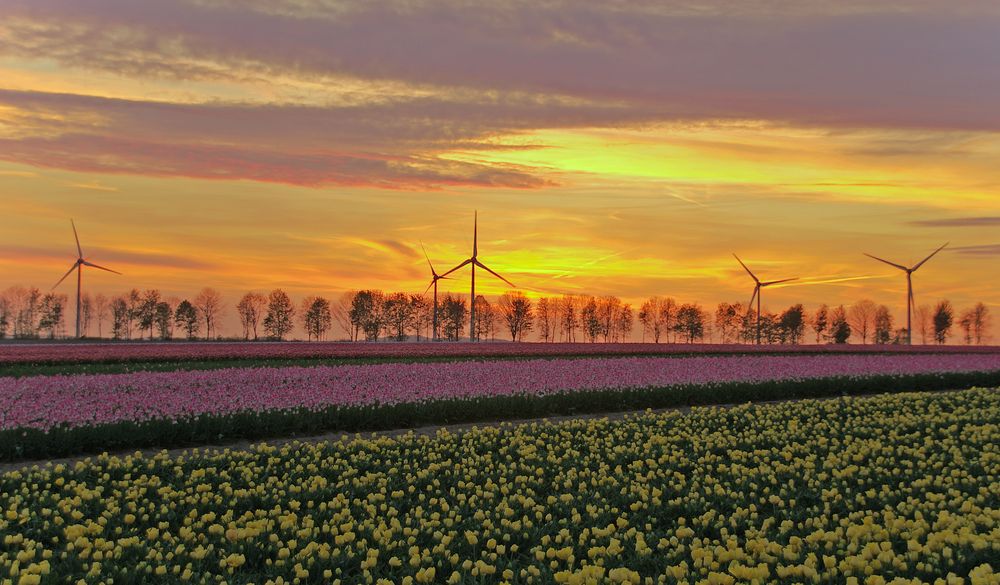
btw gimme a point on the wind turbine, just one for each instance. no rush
(78, 266)
(909, 286)
(435, 277)
(758, 285)
(474, 261)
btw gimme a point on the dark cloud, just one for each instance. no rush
(484, 70)
(958, 222)
(896, 64)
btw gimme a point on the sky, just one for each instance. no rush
(610, 147)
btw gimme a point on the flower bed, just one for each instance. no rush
(843, 491)
(80, 353)
(41, 402)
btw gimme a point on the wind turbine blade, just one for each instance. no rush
(68, 272)
(752, 297)
(903, 268)
(921, 263)
(487, 269)
(92, 265)
(428, 259)
(457, 267)
(769, 283)
(79, 250)
(745, 268)
(429, 286)
(475, 234)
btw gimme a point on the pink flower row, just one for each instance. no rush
(44, 353)
(46, 401)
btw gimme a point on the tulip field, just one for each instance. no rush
(46, 401)
(806, 465)
(897, 488)
(57, 415)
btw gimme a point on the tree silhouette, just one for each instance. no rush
(280, 311)
(164, 319)
(119, 317)
(186, 317)
(883, 325)
(840, 329)
(209, 304)
(251, 310)
(690, 322)
(792, 324)
(820, 322)
(861, 316)
(316, 319)
(944, 316)
(515, 309)
(454, 315)
(145, 312)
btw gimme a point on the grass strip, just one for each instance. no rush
(20, 370)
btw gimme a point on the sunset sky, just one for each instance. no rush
(610, 147)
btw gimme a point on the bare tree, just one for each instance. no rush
(590, 319)
(5, 315)
(569, 317)
(341, 311)
(133, 300)
(251, 310)
(727, 321)
(24, 310)
(861, 316)
(545, 311)
(626, 320)
(922, 322)
(657, 316)
(515, 308)
(86, 313)
(980, 322)
(211, 308)
(101, 311)
(883, 325)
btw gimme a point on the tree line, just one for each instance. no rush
(374, 315)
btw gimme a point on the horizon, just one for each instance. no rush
(621, 151)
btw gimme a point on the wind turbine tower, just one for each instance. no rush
(909, 287)
(474, 261)
(435, 277)
(758, 285)
(78, 266)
